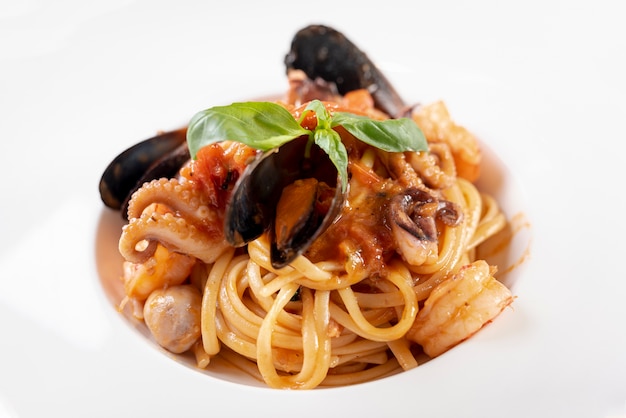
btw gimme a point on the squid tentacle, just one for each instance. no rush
(175, 233)
(435, 167)
(181, 197)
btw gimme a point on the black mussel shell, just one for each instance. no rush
(252, 207)
(155, 157)
(323, 52)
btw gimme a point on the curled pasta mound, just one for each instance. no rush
(393, 282)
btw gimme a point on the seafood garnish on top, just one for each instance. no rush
(298, 231)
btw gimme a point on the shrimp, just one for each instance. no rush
(438, 126)
(458, 307)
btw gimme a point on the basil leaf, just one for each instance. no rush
(330, 141)
(268, 125)
(391, 135)
(261, 125)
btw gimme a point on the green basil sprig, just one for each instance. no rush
(267, 125)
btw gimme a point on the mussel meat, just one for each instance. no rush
(323, 52)
(291, 195)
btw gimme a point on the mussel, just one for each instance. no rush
(255, 206)
(159, 156)
(310, 181)
(323, 52)
(291, 194)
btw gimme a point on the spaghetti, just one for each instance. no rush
(352, 307)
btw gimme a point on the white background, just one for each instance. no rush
(542, 80)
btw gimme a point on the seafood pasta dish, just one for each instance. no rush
(326, 238)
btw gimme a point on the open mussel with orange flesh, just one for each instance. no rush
(292, 192)
(159, 156)
(324, 53)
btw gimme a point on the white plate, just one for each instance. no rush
(541, 84)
